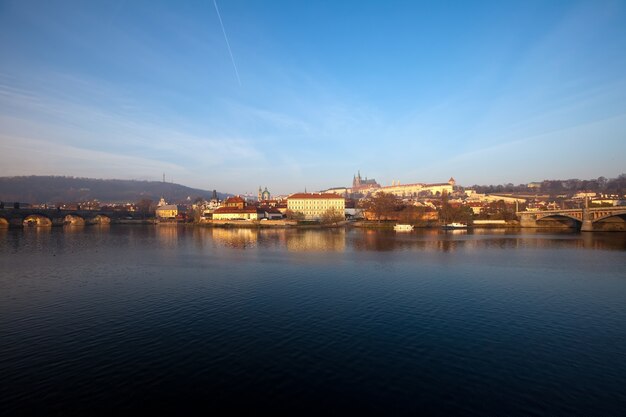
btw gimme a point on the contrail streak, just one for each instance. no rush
(232, 58)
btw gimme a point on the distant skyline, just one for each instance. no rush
(311, 92)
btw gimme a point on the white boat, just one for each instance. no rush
(455, 225)
(403, 227)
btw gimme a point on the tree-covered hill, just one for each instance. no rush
(53, 189)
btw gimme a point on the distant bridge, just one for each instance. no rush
(19, 217)
(587, 219)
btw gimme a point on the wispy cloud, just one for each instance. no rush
(230, 52)
(114, 136)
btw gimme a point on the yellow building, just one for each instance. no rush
(234, 213)
(313, 205)
(168, 211)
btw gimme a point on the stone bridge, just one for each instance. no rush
(20, 217)
(587, 219)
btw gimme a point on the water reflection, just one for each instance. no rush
(480, 239)
(73, 228)
(328, 240)
(332, 240)
(238, 238)
(194, 310)
(168, 235)
(294, 240)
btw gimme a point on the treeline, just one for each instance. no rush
(52, 189)
(599, 185)
(386, 206)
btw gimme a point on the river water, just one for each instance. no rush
(103, 320)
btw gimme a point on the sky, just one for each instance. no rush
(295, 95)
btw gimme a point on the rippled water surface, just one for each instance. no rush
(95, 321)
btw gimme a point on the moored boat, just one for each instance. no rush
(455, 225)
(403, 227)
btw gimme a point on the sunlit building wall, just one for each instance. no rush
(314, 205)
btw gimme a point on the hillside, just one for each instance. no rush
(52, 189)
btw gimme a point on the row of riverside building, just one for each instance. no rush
(311, 205)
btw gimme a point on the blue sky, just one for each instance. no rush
(487, 92)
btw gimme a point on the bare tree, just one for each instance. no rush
(294, 215)
(381, 205)
(332, 216)
(144, 206)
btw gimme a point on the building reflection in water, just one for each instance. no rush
(341, 240)
(480, 239)
(73, 228)
(422, 239)
(236, 237)
(327, 240)
(294, 240)
(168, 234)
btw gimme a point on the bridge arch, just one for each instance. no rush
(621, 215)
(102, 219)
(74, 220)
(558, 216)
(613, 222)
(37, 220)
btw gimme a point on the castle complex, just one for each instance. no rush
(370, 186)
(359, 183)
(417, 189)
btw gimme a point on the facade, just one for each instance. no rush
(337, 190)
(313, 205)
(235, 202)
(272, 213)
(583, 195)
(209, 208)
(169, 211)
(414, 190)
(234, 213)
(491, 198)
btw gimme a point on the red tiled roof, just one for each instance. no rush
(316, 196)
(236, 199)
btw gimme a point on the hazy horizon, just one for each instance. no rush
(289, 95)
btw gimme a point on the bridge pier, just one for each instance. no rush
(587, 226)
(527, 221)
